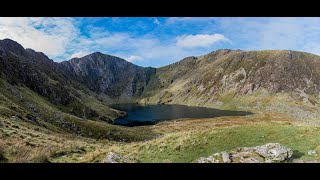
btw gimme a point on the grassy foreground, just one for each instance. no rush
(177, 141)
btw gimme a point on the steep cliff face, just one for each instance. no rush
(110, 75)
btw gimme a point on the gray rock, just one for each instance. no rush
(222, 157)
(269, 153)
(209, 159)
(274, 152)
(116, 158)
(113, 158)
(225, 157)
(312, 153)
(298, 161)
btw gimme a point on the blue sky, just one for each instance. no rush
(157, 41)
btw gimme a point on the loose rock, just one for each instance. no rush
(312, 153)
(116, 158)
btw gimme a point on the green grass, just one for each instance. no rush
(189, 146)
(100, 130)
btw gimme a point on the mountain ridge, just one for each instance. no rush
(85, 86)
(59, 112)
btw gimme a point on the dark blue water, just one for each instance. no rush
(138, 114)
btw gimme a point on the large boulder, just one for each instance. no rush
(274, 152)
(268, 153)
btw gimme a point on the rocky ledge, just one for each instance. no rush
(268, 153)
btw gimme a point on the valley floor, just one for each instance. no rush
(184, 140)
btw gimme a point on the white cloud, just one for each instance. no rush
(295, 33)
(144, 50)
(48, 35)
(156, 21)
(61, 39)
(79, 54)
(134, 58)
(199, 40)
(173, 20)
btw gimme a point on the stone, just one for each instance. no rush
(113, 158)
(225, 157)
(274, 152)
(312, 153)
(268, 153)
(209, 159)
(116, 158)
(298, 161)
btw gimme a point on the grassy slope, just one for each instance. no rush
(178, 141)
(181, 141)
(49, 116)
(223, 134)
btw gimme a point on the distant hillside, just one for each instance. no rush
(272, 80)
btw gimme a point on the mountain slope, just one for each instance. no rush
(109, 75)
(36, 89)
(45, 107)
(272, 80)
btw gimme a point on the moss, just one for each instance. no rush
(3, 159)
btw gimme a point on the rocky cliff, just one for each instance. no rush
(110, 75)
(225, 78)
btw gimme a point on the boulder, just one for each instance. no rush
(222, 157)
(312, 152)
(116, 158)
(225, 157)
(268, 153)
(274, 152)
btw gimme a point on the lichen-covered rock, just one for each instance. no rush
(225, 157)
(116, 158)
(245, 155)
(222, 157)
(268, 153)
(312, 153)
(274, 152)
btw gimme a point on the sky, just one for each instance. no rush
(159, 41)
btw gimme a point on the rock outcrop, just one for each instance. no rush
(116, 158)
(268, 153)
(110, 75)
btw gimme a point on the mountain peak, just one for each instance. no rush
(98, 53)
(224, 51)
(8, 45)
(95, 54)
